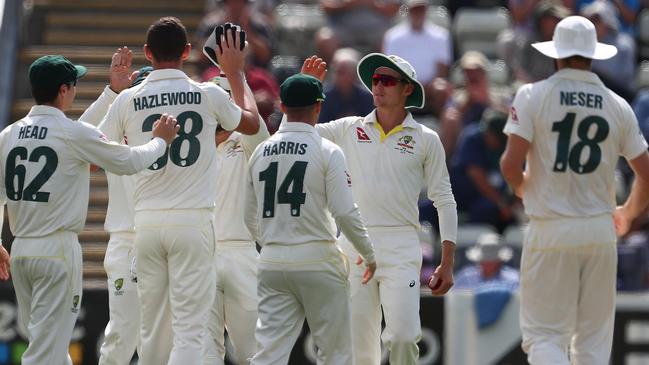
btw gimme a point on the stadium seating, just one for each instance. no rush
(477, 29)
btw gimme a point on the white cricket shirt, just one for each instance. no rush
(232, 163)
(577, 129)
(44, 166)
(121, 207)
(390, 170)
(298, 185)
(185, 177)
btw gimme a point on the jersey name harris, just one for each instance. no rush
(285, 148)
(165, 99)
(33, 132)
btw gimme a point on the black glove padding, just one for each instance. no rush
(230, 30)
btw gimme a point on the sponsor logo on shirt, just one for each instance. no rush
(513, 115)
(362, 136)
(412, 283)
(405, 144)
(349, 179)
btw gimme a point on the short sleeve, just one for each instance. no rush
(520, 121)
(226, 112)
(632, 142)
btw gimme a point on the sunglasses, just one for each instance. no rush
(386, 80)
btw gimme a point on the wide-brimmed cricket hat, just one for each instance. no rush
(368, 64)
(489, 248)
(575, 36)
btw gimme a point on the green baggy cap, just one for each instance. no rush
(301, 90)
(54, 70)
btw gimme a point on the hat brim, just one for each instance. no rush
(81, 71)
(368, 64)
(601, 52)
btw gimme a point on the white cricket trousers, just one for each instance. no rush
(297, 282)
(235, 302)
(46, 274)
(395, 288)
(568, 276)
(122, 334)
(174, 251)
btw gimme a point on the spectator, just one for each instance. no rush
(345, 97)
(467, 105)
(488, 257)
(618, 72)
(516, 49)
(633, 261)
(259, 34)
(523, 11)
(626, 12)
(359, 24)
(641, 111)
(426, 46)
(480, 190)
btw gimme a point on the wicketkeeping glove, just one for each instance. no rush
(213, 43)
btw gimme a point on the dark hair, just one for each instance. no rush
(43, 95)
(579, 59)
(167, 38)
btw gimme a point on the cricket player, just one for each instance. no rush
(122, 334)
(391, 157)
(235, 260)
(174, 198)
(569, 131)
(44, 164)
(298, 182)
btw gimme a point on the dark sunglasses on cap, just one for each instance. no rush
(386, 80)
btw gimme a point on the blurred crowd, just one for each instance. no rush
(470, 55)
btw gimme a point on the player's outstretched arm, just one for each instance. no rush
(231, 61)
(340, 202)
(92, 146)
(638, 199)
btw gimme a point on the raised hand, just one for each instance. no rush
(315, 66)
(121, 76)
(230, 51)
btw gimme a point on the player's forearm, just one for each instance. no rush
(447, 218)
(448, 254)
(97, 110)
(136, 159)
(243, 97)
(638, 199)
(353, 228)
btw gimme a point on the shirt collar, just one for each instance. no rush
(165, 73)
(45, 110)
(408, 122)
(578, 75)
(295, 127)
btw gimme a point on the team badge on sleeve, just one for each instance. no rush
(513, 115)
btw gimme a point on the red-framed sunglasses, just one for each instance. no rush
(386, 80)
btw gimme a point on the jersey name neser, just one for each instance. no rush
(32, 131)
(164, 99)
(288, 148)
(572, 98)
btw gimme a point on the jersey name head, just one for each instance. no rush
(579, 98)
(164, 99)
(32, 131)
(288, 148)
